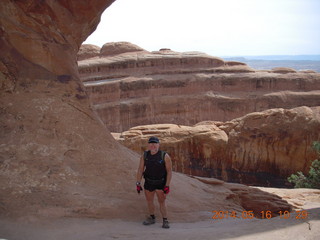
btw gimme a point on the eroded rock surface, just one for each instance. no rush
(115, 48)
(88, 51)
(53, 148)
(261, 148)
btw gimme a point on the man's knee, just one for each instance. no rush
(161, 198)
(149, 200)
(161, 201)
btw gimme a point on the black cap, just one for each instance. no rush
(153, 140)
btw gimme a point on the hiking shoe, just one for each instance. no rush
(149, 221)
(165, 224)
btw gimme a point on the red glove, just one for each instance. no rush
(139, 188)
(166, 189)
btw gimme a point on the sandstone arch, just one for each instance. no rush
(57, 158)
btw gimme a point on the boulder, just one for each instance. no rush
(283, 70)
(114, 48)
(87, 51)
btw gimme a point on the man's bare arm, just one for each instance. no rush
(168, 168)
(140, 169)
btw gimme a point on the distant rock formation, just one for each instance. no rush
(261, 148)
(88, 51)
(139, 87)
(283, 70)
(114, 48)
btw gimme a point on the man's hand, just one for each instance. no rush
(166, 189)
(139, 188)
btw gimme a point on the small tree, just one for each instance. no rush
(312, 180)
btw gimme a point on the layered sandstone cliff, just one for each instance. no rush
(261, 148)
(138, 87)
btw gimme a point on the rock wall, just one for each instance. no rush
(49, 165)
(138, 87)
(261, 148)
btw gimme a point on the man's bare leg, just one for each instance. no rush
(162, 202)
(163, 208)
(150, 197)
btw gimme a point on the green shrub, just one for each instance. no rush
(312, 180)
(316, 146)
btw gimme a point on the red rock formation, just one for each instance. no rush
(138, 88)
(47, 161)
(88, 51)
(114, 48)
(283, 70)
(56, 158)
(261, 148)
(274, 142)
(37, 30)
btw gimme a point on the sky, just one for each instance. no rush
(216, 27)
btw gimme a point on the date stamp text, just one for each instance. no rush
(298, 214)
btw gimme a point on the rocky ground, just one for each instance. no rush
(297, 226)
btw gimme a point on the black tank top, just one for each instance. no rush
(155, 167)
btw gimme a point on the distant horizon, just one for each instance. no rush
(192, 50)
(281, 55)
(309, 57)
(286, 57)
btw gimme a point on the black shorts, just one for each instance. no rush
(151, 186)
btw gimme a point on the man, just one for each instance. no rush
(156, 168)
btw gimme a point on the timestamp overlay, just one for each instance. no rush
(265, 214)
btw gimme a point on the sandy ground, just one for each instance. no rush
(79, 229)
(296, 227)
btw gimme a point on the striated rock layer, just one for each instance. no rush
(261, 148)
(138, 87)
